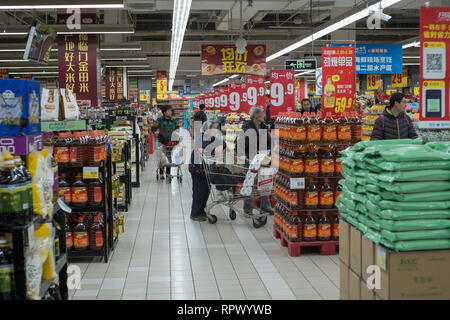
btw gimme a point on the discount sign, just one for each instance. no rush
(256, 94)
(282, 94)
(223, 97)
(216, 99)
(373, 81)
(338, 74)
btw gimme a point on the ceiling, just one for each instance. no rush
(277, 23)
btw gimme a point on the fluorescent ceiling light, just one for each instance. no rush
(411, 64)
(11, 50)
(226, 79)
(13, 60)
(36, 67)
(127, 66)
(33, 73)
(334, 27)
(140, 71)
(412, 44)
(124, 58)
(304, 72)
(120, 49)
(181, 9)
(96, 32)
(5, 33)
(268, 81)
(63, 6)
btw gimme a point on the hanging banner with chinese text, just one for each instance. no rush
(338, 74)
(300, 90)
(77, 60)
(256, 95)
(224, 59)
(114, 84)
(282, 93)
(237, 99)
(161, 85)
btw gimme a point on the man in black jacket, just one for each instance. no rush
(200, 115)
(394, 123)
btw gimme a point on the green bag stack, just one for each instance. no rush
(397, 193)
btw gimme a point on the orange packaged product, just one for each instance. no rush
(64, 188)
(296, 227)
(79, 192)
(327, 166)
(80, 235)
(326, 196)
(309, 227)
(344, 129)
(96, 234)
(77, 149)
(311, 195)
(330, 128)
(61, 151)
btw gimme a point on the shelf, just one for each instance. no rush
(87, 209)
(67, 125)
(86, 253)
(300, 209)
(60, 263)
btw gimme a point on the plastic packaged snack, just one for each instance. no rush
(413, 225)
(49, 104)
(69, 107)
(37, 165)
(48, 268)
(416, 235)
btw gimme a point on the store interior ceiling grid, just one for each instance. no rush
(277, 23)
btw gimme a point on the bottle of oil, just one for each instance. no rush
(335, 227)
(312, 163)
(327, 163)
(311, 195)
(329, 128)
(314, 131)
(326, 196)
(309, 227)
(80, 235)
(324, 227)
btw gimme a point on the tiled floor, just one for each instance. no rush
(165, 255)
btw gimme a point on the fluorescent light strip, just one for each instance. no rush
(304, 72)
(126, 66)
(13, 34)
(334, 27)
(36, 67)
(412, 64)
(33, 73)
(95, 32)
(64, 6)
(123, 58)
(412, 44)
(11, 50)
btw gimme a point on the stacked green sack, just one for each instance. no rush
(397, 192)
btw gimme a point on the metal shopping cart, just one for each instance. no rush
(170, 156)
(227, 183)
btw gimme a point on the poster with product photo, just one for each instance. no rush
(338, 80)
(434, 70)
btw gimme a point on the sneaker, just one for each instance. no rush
(199, 218)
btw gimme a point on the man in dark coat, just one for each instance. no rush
(394, 123)
(200, 115)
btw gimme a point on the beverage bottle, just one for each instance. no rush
(311, 195)
(330, 94)
(80, 235)
(79, 192)
(326, 196)
(6, 270)
(95, 195)
(95, 149)
(314, 131)
(309, 227)
(296, 227)
(298, 163)
(311, 163)
(301, 129)
(64, 188)
(20, 186)
(327, 163)
(329, 125)
(61, 150)
(335, 227)
(96, 235)
(324, 227)
(344, 130)
(69, 235)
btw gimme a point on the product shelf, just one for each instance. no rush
(301, 209)
(61, 262)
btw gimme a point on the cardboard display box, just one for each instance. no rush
(354, 291)
(367, 256)
(414, 274)
(344, 281)
(355, 250)
(344, 242)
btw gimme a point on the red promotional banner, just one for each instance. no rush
(161, 85)
(256, 94)
(114, 84)
(77, 59)
(235, 101)
(224, 93)
(209, 100)
(300, 90)
(338, 78)
(224, 59)
(435, 67)
(282, 95)
(217, 99)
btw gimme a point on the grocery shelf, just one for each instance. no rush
(86, 253)
(91, 209)
(61, 262)
(301, 209)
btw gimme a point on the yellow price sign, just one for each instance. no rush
(400, 80)
(343, 104)
(143, 97)
(90, 172)
(390, 92)
(372, 81)
(416, 91)
(370, 93)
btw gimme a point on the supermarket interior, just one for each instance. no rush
(224, 150)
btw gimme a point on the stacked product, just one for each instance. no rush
(306, 184)
(369, 120)
(233, 126)
(397, 193)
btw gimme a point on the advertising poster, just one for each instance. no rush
(400, 80)
(300, 90)
(338, 73)
(379, 58)
(237, 99)
(435, 65)
(161, 85)
(224, 92)
(224, 59)
(114, 84)
(282, 93)
(256, 95)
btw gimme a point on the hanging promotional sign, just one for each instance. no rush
(216, 99)
(319, 81)
(282, 93)
(237, 99)
(114, 84)
(372, 81)
(161, 85)
(300, 65)
(224, 59)
(196, 103)
(379, 58)
(224, 92)
(338, 68)
(435, 67)
(256, 94)
(300, 90)
(400, 80)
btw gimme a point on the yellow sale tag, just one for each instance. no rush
(400, 80)
(372, 81)
(90, 173)
(416, 91)
(390, 92)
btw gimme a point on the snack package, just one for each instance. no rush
(50, 105)
(19, 107)
(69, 106)
(42, 174)
(48, 269)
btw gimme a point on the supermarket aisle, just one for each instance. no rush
(165, 255)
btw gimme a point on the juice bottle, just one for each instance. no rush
(61, 151)
(311, 163)
(96, 235)
(330, 94)
(296, 227)
(324, 227)
(344, 130)
(69, 235)
(95, 195)
(80, 235)
(327, 163)
(311, 195)
(64, 188)
(79, 192)
(314, 131)
(309, 227)
(326, 196)
(329, 125)
(335, 227)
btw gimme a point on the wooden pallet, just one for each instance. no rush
(327, 248)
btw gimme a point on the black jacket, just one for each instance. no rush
(394, 127)
(200, 116)
(250, 125)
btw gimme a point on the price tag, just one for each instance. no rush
(121, 118)
(64, 207)
(282, 95)
(297, 183)
(90, 173)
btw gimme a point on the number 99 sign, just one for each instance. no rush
(282, 95)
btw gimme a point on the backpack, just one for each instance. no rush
(382, 120)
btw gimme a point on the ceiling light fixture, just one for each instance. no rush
(334, 27)
(5, 33)
(412, 44)
(120, 49)
(63, 6)
(33, 73)
(96, 32)
(37, 67)
(225, 80)
(181, 9)
(304, 72)
(127, 66)
(411, 57)
(124, 58)
(411, 64)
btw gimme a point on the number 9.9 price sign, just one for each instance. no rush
(282, 93)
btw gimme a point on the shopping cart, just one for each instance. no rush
(168, 158)
(226, 183)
